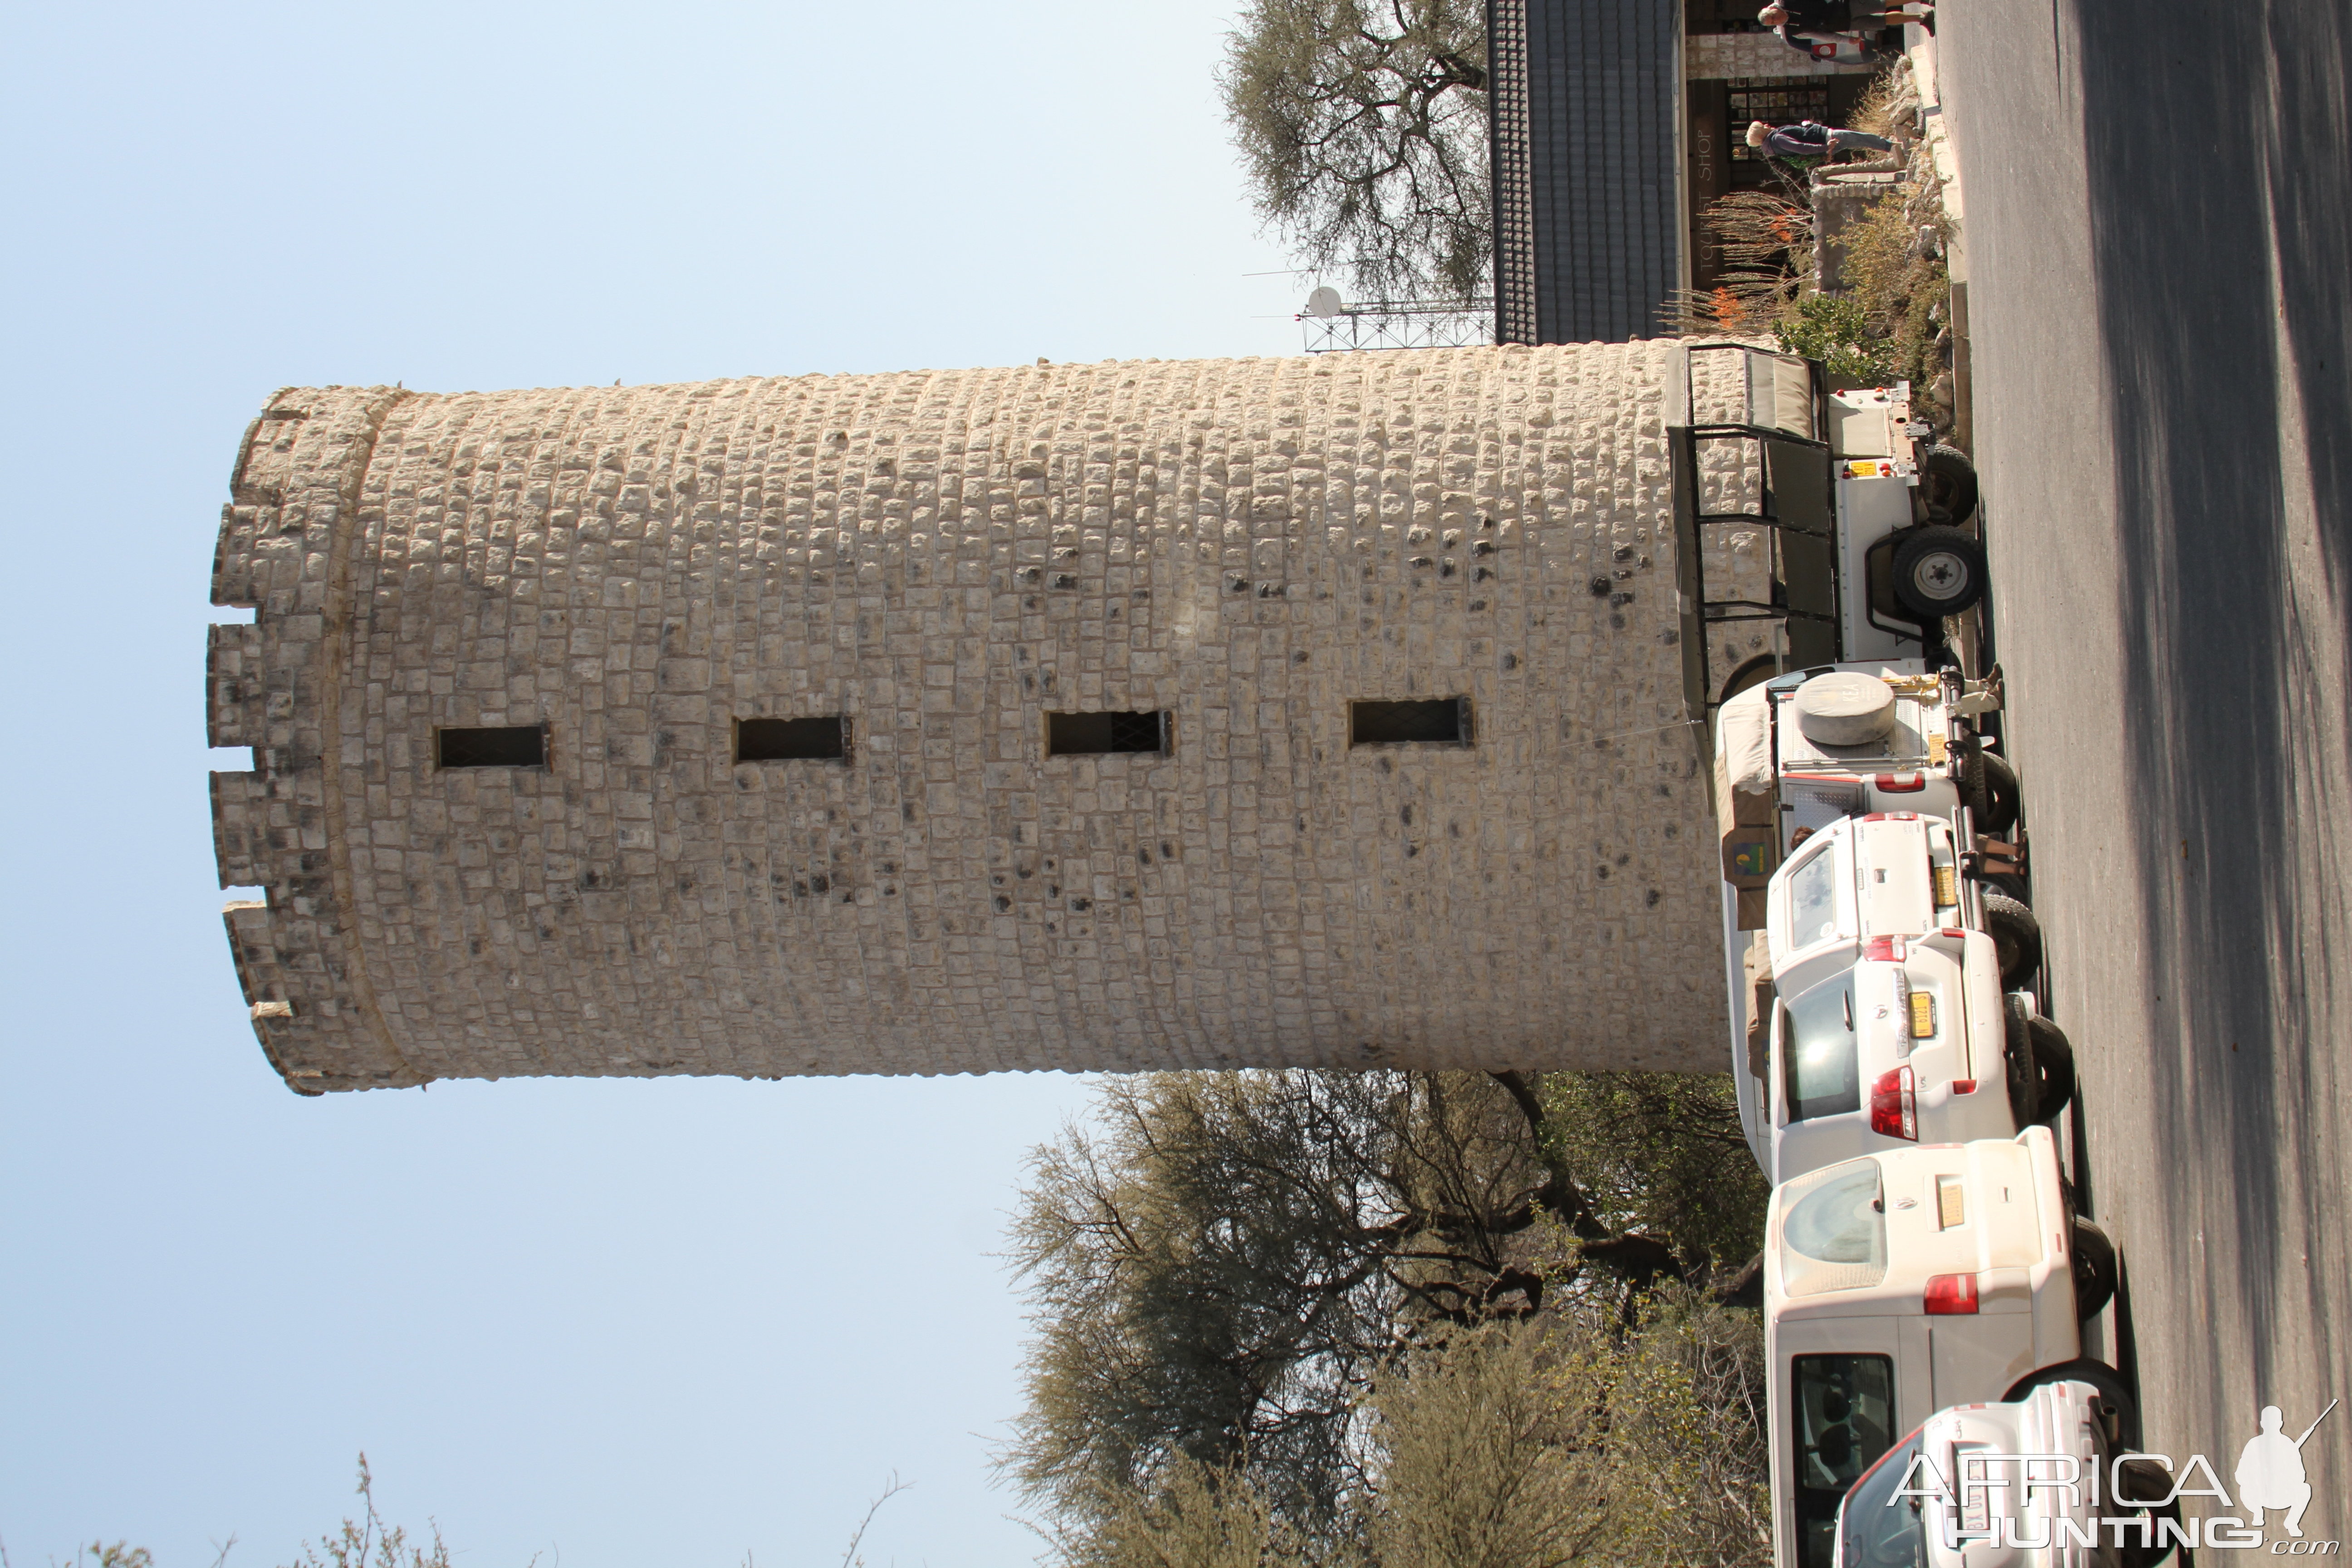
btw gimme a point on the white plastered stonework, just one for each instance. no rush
(944, 557)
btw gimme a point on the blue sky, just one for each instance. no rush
(610, 1323)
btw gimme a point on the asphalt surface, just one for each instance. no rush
(2159, 246)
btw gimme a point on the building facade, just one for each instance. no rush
(1319, 711)
(1613, 124)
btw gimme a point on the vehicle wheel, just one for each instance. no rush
(2023, 1082)
(2054, 1068)
(1947, 484)
(1939, 571)
(2145, 1487)
(2099, 1375)
(2094, 1259)
(1993, 793)
(2004, 882)
(2016, 938)
(1751, 673)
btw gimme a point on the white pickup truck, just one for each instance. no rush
(1875, 947)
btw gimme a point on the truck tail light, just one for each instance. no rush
(1885, 950)
(1891, 815)
(1895, 1109)
(1964, 1086)
(1951, 1294)
(1900, 783)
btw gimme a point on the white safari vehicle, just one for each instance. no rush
(1872, 1006)
(2040, 1481)
(1900, 1283)
(1854, 769)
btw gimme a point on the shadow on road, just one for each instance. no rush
(2220, 172)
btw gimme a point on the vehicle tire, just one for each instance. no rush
(2099, 1375)
(2145, 1487)
(2093, 1257)
(1992, 793)
(2023, 1083)
(1751, 673)
(2053, 1059)
(2006, 883)
(1947, 484)
(2016, 938)
(1939, 571)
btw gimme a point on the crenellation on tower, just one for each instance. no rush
(943, 560)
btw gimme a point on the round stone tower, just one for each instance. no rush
(1285, 712)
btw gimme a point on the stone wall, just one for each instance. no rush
(944, 557)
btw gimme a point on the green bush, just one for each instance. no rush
(1837, 329)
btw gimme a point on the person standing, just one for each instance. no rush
(1842, 16)
(1814, 26)
(1808, 139)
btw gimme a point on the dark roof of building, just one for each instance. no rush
(1588, 226)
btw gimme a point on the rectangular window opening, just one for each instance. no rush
(824, 738)
(1077, 734)
(1440, 721)
(498, 746)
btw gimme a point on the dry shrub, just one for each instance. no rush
(1895, 272)
(1889, 106)
(1767, 256)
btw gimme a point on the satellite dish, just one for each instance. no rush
(1324, 303)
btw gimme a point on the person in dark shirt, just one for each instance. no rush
(1838, 16)
(1809, 23)
(1808, 140)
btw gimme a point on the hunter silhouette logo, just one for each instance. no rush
(2116, 1497)
(2270, 1472)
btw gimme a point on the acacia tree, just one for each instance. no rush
(1220, 1267)
(1362, 128)
(1534, 1444)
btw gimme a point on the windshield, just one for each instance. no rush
(1821, 1074)
(1875, 1527)
(1812, 899)
(1834, 1234)
(1843, 1407)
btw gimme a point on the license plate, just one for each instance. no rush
(1951, 1202)
(1948, 887)
(1923, 1015)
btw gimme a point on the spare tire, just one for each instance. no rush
(1993, 795)
(1939, 571)
(1846, 708)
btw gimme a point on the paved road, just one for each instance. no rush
(2159, 241)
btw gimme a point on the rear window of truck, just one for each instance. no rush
(1842, 1420)
(1820, 1069)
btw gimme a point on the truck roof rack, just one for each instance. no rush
(1776, 432)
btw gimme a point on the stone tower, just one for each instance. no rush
(1140, 714)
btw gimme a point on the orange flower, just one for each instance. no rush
(1730, 312)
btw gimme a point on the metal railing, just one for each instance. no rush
(1400, 324)
(1795, 508)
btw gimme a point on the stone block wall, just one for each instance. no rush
(945, 557)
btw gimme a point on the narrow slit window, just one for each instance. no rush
(1441, 722)
(823, 739)
(1075, 734)
(494, 746)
